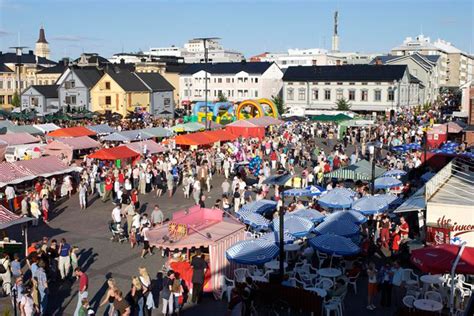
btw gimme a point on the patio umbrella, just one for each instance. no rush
(387, 183)
(308, 213)
(337, 198)
(353, 216)
(296, 226)
(252, 252)
(334, 245)
(371, 204)
(261, 207)
(254, 220)
(312, 190)
(273, 237)
(439, 259)
(342, 227)
(394, 173)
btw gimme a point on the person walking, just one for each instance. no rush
(83, 286)
(398, 289)
(109, 297)
(82, 195)
(166, 293)
(45, 208)
(156, 216)
(372, 286)
(386, 275)
(42, 283)
(10, 194)
(64, 258)
(199, 266)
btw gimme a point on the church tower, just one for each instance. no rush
(42, 46)
(335, 36)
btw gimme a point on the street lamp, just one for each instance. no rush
(204, 41)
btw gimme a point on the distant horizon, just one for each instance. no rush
(111, 27)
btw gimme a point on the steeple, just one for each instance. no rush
(42, 37)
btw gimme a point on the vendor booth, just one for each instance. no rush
(200, 228)
(246, 129)
(361, 170)
(147, 147)
(75, 131)
(436, 136)
(8, 219)
(114, 153)
(67, 147)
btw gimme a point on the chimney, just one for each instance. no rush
(30, 52)
(65, 61)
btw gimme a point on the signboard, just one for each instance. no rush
(437, 236)
(177, 231)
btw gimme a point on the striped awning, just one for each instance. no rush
(8, 218)
(362, 170)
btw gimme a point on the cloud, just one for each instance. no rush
(73, 38)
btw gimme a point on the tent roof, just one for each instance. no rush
(265, 121)
(242, 123)
(102, 129)
(188, 127)
(157, 132)
(82, 142)
(361, 170)
(46, 128)
(127, 136)
(75, 131)
(152, 147)
(18, 139)
(8, 218)
(204, 138)
(416, 202)
(114, 153)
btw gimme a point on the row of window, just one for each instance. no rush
(244, 93)
(9, 99)
(227, 80)
(326, 95)
(10, 84)
(315, 83)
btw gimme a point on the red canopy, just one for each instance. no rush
(75, 131)
(204, 138)
(247, 132)
(439, 259)
(120, 152)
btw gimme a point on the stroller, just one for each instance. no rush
(118, 233)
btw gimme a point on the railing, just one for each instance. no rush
(438, 180)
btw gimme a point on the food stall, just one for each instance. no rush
(8, 219)
(199, 228)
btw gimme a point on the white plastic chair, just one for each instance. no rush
(321, 258)
(413, 293)
(325, 283)
(435, 296)
(227, 285)
(353, 281)
(254, 271)
(240, 274)
(335, 304)
(410, 278)
(408, 301)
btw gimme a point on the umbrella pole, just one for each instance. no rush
(330, 261)
(453, 271)
(281, 245)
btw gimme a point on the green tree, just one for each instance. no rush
(343, 105)
(16, 100)
(222, 98)
(279, 104)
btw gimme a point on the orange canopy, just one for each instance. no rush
(120, 152)
(204, 138)
(75, 131)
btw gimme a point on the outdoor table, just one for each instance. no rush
(321, 292)
(259, 278)
(428, 305)
(431, 279)
(275, 265)
(329, 272)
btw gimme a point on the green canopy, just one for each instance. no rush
(331, 118)
(361, 170)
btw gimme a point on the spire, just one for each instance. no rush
(42, 37)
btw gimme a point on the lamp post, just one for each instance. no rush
(204, 41)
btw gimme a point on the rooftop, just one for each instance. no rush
(229, 68)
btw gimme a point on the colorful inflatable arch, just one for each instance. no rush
(215, 111)
(256, 108)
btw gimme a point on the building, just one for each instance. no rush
(366, 87)
(50, 75)
(161, 94)
(456, 66)
(42, 46)
(423, 67)
(43, 99)
(172, 74)
(90, 60)
(236, 81)
(74, 87)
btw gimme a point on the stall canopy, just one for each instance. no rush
(76, 131)
(188, 127)
(120, 152)
(13, 128)
(331, 118)
(440, 258)
(102, 129)
(148, 146)
(19, 171)
(66, 146)
(361, 170)
(414, 203)
(127, 136)
(265, 121)
(8, 218)
(159, 132)
(18, 139)
(204, 138)
(243, 128)
(46, 128)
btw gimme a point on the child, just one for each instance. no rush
(73, 255)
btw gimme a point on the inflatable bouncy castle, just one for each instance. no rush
(256, 108)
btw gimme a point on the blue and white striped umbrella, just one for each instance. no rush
(387, 183)
(254, 220)
(334, 245)
(353, 216)
(308, 213)
(371, 204)
(252, 252)
(312, 190)
(275, 237)
(337, 198)
(296, 226)
(394, 173)
(261, 207)
(342, 227)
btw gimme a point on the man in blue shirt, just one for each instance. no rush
(398, 284)
(42, 280)
(64, 258)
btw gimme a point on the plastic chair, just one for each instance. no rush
(408, 301)
(325, 283)
(413, 293)
(410, 278)
(227, 285)
(240, 274)
(435, 296)
(254, 270)
(335, 304)
(353, 281)
(296, 283)
(321, 258)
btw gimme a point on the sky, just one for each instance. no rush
(252, 27)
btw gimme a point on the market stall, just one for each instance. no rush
(8, 219)
(147, 147)
(67, 147)
(195, 228)
(361, 170)
(243, 128)
(75, 131)
(114, 153)
(19, 139)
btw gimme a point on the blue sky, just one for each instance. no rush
(110, 26)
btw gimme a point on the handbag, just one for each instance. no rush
(2, 267)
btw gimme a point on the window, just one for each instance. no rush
(352, 95)
(256, 94)
(352, 83)
(391, 95)
(108, 99)
(364, 95)
(227, 80)
(378, 96)
(256, 80)
(71, 99)
(327, 94)
(10, 99)
(364, 83)
(9, 85)
(34, 101)
(315, 94)
(339, 83)
(315, 83)
(186, 93)
(166, 101)
(339, 94)
(107, 85)
(219, 80)
(301, 94)
(289, 94)
(2, 99)
(70, 84)
(240, 80)
(327, 83)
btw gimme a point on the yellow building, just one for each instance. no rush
(119, 91)
(172, 74)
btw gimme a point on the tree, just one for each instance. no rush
(279, 104)
(343, 105)
(16, 100)
(222, 98)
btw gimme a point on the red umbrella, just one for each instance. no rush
(440, 259)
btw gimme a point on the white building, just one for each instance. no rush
(42, 99)
(365, 87)
(165, 51)
(236, 81)
(456, 68)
